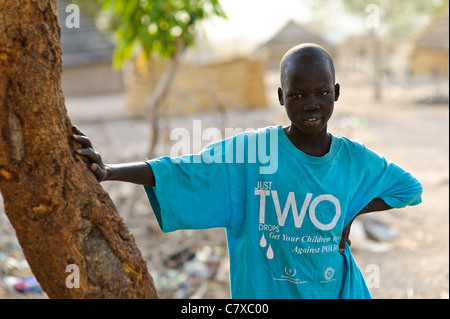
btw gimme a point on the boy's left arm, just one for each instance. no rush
(375, 205)
(388, 185)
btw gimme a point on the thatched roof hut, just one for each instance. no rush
(288, 36)
(430, 50)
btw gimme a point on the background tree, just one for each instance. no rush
(384, 22)
(157, 28)
(396, 22)
(60, 213)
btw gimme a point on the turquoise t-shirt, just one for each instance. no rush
(283, 210)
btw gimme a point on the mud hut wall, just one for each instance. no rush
(231, 85)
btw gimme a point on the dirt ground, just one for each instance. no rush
(193, 264)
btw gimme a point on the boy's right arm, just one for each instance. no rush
(137, 173)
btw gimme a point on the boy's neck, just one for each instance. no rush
(316, 145)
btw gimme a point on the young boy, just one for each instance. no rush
(286, 195)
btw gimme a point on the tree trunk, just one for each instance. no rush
(377, 65)
(159, 94)
(60, 213)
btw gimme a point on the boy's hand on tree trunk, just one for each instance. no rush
(95, 160)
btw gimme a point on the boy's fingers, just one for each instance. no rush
(89, 153)
(94, 167)
(83, 140)
(344, 238)
(341, 246)
(77, 131)
(98, 172)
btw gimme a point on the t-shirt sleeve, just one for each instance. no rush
(400, 188)
(192, 191)
(388, 181)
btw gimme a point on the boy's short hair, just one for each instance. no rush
(310, 50)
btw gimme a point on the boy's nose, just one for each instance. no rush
(311, 104)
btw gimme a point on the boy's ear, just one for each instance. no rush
(337, 91)
(280, 96)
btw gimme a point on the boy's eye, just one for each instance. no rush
(297, 96)
(322, 93)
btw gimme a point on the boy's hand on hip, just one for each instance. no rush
(95, 160)
(345, 237)
(376, 205)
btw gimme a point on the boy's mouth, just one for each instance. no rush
(312, 119)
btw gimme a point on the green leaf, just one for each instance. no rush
(131, 20)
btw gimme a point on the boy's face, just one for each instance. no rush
(308, 93)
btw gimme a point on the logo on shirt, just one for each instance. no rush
(290, 276)
(329, 273)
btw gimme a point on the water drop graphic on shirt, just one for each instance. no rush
(270, 252)
(263, 241)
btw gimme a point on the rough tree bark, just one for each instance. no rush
(59, 211)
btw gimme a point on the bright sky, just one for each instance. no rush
(254, 21)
